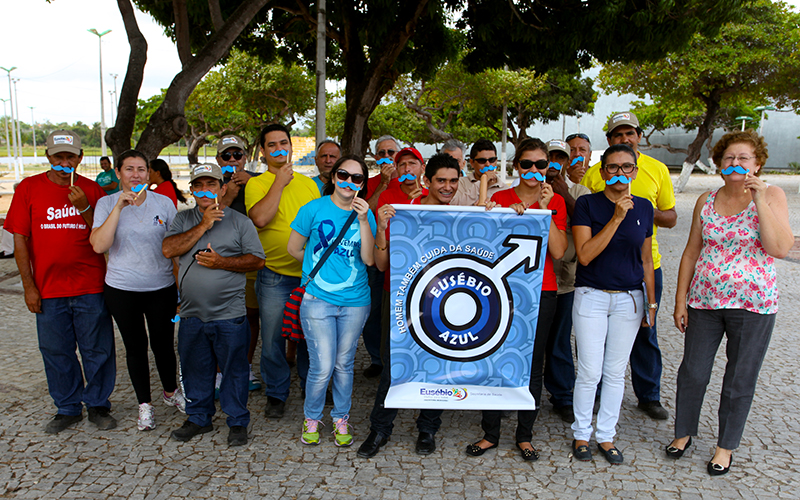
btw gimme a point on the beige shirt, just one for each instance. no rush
(566, 266)
(469, 190)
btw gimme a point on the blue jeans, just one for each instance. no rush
(372, 328)
(83, 320)
(273, 291)
(332, 336)
(559, 370)
(646, 356)
(203, 346)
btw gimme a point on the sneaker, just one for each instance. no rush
(253, 384)
(147, 419)
(310, 431)
(341, 432)
(217, 385)
(177, 400)
(99, 416)
(275, 408)
(189, 430)
(61, 422)
(237, 436)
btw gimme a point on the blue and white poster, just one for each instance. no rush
(464, 301)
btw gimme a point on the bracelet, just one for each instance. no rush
(653, 305)
(85, 209)
(379, 248)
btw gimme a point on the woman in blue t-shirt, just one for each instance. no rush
(613, 232)
(337, 301)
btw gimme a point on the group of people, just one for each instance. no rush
(231, 263)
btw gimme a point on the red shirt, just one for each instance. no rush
(508, 197)
(167, 190)
(63, 262)
(372, 184)
(395, 196)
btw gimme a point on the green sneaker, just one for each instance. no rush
(341, 432)
(310, 431)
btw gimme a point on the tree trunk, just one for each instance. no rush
(168, 124)
(368, 82)
(118, 137)
(712, 102)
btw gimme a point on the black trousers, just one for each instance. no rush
(130, 309)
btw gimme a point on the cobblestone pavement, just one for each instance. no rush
(124, 463)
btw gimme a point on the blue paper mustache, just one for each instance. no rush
(68, 170)
(176, 318)
(384, 160)
(345, 184)
(407, 177)
(619, 178)
(488, 168)
(554, 165)
(205, 194)
(576, 160)
(138, 187)
(280, 152)
(227, 169)
(738, 169)
(533, 175)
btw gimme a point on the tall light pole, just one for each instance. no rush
(19, 128)
(744, 119)
(111, 98)
(8, 143)
(102, 98)
(13, 122)
(114, 75)
(761, 122)
(319, 129)
(33, 136)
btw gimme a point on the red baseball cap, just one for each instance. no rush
(409, 151)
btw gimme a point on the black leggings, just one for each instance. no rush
(129, 310)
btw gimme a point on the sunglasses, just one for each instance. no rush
(387, 152)
(482, 161)
(539, 164)
(227, 155)
(343, 175)
(578, 136)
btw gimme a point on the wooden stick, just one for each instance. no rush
(140, 192)
(484, 190)
(72, 177)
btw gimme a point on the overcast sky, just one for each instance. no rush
(57, 59)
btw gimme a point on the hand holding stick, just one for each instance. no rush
(484, 190)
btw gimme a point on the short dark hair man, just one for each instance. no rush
(216, 246)
(107, 179)
(483, 159)
(328, 152)
(652, 182)
(51, 219)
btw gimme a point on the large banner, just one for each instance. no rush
(464, 301)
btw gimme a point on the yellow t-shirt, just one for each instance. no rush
(275, 235)
(652, 182)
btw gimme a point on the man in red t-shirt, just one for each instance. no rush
(51, 219)
(386, 147)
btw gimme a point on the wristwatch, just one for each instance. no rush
(653, 305)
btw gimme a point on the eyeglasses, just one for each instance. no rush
(343, 175)
(539, 164)
(387, 152)
(482, 161)
(740, 159)
(613, 168)
(227, 155)
(578, 136)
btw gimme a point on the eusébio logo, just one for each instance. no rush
(460, 307)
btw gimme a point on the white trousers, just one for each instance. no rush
(606, 325)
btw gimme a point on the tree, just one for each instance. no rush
(215, 28)
(754, 59)
(392, 118)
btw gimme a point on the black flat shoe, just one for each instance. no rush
(675, 452)
(582, 452)
(717, 469)
(528, 455)
(614, 456)
(474, 450)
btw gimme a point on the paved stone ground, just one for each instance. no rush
(125, 463)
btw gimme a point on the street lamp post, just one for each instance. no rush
(13, 121)
(33, 136)
(761, 123)
(102, 99)
(115, 75)
(8, 143)
(111, 98)
(744, 119)
(19, 128)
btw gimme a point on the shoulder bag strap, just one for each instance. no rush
(330, 249)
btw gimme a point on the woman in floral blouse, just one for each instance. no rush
(727, 286)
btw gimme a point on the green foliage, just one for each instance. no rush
(391, 118)
(794, 167)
